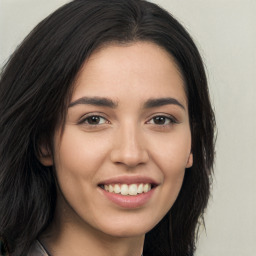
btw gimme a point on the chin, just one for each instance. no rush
(127, 228)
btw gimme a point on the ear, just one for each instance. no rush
(190, 161)
(45, 155)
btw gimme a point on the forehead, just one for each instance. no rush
(140, 70)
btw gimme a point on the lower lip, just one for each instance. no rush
(129, 201)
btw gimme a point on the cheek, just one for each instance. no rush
(171, 156)
(77, 160)
(79, 155)
(171, 152)
(173, 175)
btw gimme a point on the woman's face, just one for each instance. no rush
(121, 159)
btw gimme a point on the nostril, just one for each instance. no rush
(130, 159)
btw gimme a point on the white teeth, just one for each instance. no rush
(117, 189)
(110, 188)
(140, 189)
(124, 189)
(133, 190)
(146, 188)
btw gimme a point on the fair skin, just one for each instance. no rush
(127, 124)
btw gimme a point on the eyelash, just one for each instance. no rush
(86, 118)
(170, 119)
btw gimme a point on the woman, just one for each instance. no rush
(107, 134)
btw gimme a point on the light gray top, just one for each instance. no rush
(37, 249)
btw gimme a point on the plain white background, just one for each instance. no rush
(225, 32)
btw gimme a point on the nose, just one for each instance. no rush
(129, 147)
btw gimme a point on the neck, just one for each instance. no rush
(69, 233)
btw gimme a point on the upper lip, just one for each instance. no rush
(128, 180)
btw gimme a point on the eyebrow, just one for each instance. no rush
(105, 102)
(97, 101)
(152, 103)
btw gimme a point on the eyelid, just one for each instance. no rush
(93, 114)
(173, 119)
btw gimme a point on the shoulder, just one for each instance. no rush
(37, 249)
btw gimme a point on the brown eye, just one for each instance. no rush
(94, 120)
(161, 120)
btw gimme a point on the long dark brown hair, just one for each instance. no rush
(35, 89)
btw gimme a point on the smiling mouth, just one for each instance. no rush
(127, 190)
